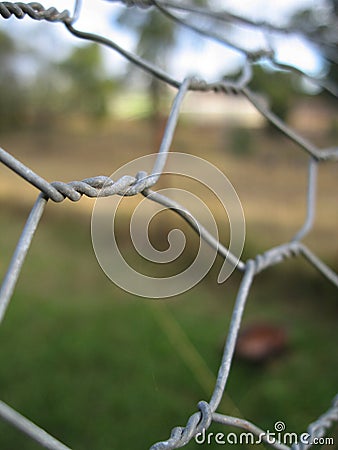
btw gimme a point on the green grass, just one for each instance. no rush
(100, 369)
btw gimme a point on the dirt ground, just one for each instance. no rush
(270, 178)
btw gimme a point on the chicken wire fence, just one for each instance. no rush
(187, 15)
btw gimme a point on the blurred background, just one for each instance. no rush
(95, 366)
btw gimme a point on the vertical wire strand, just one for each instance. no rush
(19, 255)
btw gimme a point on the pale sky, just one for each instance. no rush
(210, 60)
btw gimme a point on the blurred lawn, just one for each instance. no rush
(100, 369)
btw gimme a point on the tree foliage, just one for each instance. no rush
(12, 96)
(78, 84)
(279, 87)
(88, 87)
(320, 26)
(283, 89)
(157, 38)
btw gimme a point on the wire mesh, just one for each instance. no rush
(101, 186)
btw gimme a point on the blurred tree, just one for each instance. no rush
(319, 24)
(157, 37)
(320, 27)
(281, 90)
(88, 88)
(12, 96)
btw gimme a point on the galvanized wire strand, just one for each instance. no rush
(329, 86)
(318, 264)
(38, 12)
(210, 34)
(222, 15)
(198, 84)
(310, 201)
(201, 420)
(13, 272)
(278, 254)
(100, 186)
(217, 14)
(195, 83)
(29, 428)
(311, 149)
(320, 427)
(267, 54)
(34, 10)
(103, 186)
(181, 435)
(195, 225)
(169, 132)
(128, 185)
(229, 349)
(76, 11)
(57, 191)
(131, 57)
(27, 174)
(316, 153)
(243, 424)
